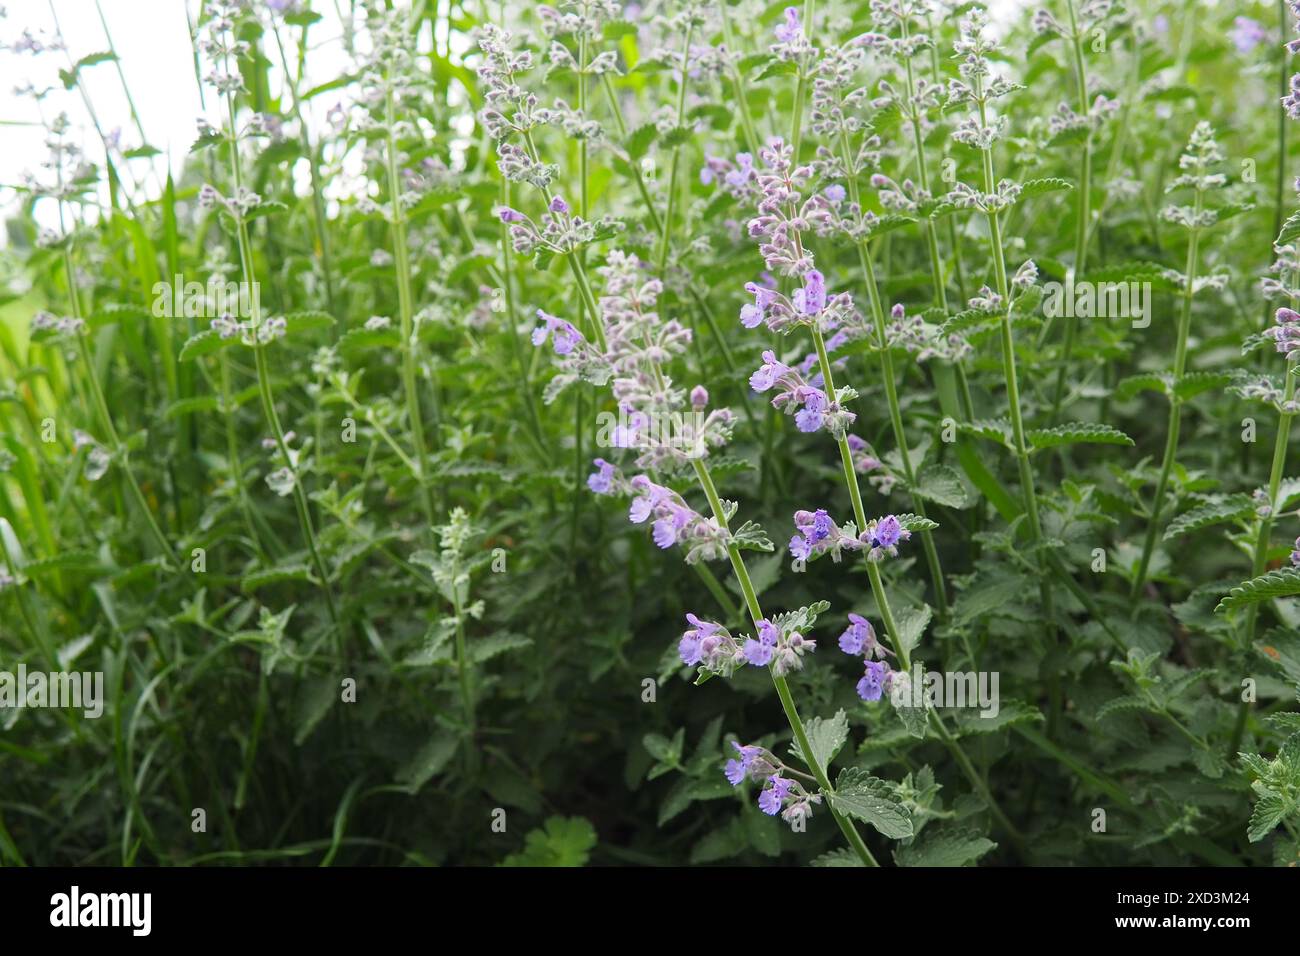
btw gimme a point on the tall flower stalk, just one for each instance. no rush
(1202, 154)
(221, 46)
(979, 86)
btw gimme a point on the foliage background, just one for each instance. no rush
(224, 686)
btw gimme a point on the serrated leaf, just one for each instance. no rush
(1230, 508)
(1037, 187)
(871, 800)
(204, 343)
(1269, 810)
(942, 485)
(1290, 230)
(285, 572)
(1284, 582)
(911, 522)
(1077, 433)
(432, 756)
(1134, 384)
(840, 857)
(945, 846)
(826, 736)
(996, 430)
(561, 842)
(911, 623)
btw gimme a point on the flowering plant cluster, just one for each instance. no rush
(998, 310)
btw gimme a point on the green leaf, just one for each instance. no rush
(1037, 187)
(1077, 433)
(1284, 582)
(315, 698)
(997, 430)
(942, 485)
(912, 623)
(871, 800)
(296, 322)
(1230, 508)
(204, 343)
(284, 572)
(1194, 383)
(911, 522)
(840, 857)
(429, 760)
(752, 537)
(1134, 384)
(562, 841)
(1290, 230)
(826, 736)
(945, 846)
(1268, 813)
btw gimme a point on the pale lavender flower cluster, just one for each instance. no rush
(1286, 333)
(811, 407)
(676, 522)
(923, 339)
(859, 640)
(792, 42)
(45, 322)
(1246, 34)
(783, 213)
(782, 795)
(817, 534)
(1295, 555)
(561, 232)
(1292, 99)
(712, 646)
(738, 178)
(808, 304)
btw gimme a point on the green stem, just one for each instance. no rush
(1175, 408)
(676, 160)
(1083, 210)
(782, 687)
(405, 307)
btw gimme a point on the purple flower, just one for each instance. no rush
(1295, 555)
(770, 800)
(699, 397)
(888, 532)
(858, 637)
(743, 172)
(601, 481)
(648, 497)
(559, 206)
(758, 653)
(811, 299)
(788, 31)
(800, 547)
(691, 647)
(669, 528)
(834, 192)
(564, 336)
(872, 684)
(767, 374)
(510, 215)
(1286, 333)
(1246, 34)
(809, 418)
(737, 770)
(752, 314)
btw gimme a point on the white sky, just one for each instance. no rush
(151, 39)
